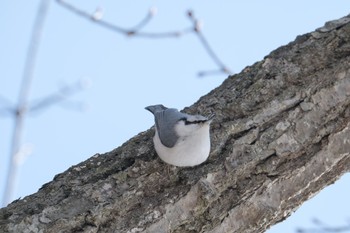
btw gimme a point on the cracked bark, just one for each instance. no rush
(281, 134)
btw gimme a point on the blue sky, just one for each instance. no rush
(127, 74)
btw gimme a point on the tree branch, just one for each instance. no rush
(207, 47)
(56, 97)
(281, 134)
(21, 108)
(323, 228)
(338, 229)
(135, 32)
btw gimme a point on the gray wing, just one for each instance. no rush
(165, 123)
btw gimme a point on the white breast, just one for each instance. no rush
(191, 149)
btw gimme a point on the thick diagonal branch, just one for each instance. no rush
(282, 133)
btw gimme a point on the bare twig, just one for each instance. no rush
(207, 47)
(323, 228)
(152, 11)
(90, 17)
(74, 105)
(212, 72)
(21, 108)
(56, 97)
(135, 31)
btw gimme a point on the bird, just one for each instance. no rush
(180, 139)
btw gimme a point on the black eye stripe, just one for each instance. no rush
(194, 122)
(187, 122)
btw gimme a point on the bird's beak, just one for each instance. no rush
(149, 108)
(155, 108)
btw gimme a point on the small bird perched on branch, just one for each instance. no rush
(180, 139)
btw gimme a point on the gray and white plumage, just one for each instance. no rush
(180, 139)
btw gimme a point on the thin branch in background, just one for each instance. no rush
(212, 72)
(324, 228)
(74, 105)
(135, 31)
(91, 17)
(127, 32)
(23, 153)
(198, 31)
(60, 95)
(152, 12)
(21, 108)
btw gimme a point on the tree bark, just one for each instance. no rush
(281, 134)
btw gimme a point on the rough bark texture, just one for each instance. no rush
(281, 134)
